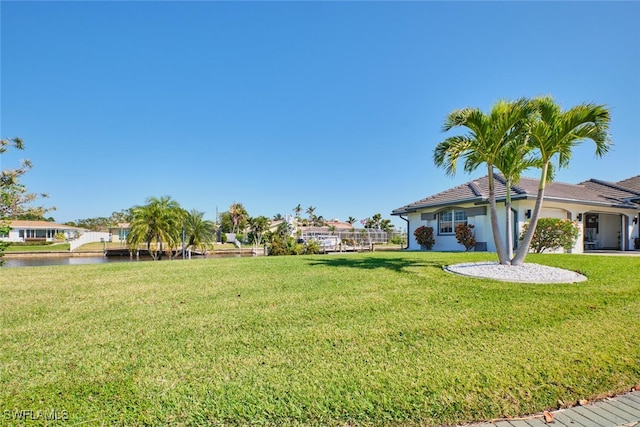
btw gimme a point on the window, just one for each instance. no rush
(448, 220)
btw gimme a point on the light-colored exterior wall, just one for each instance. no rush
(23, 231)
(613, 222)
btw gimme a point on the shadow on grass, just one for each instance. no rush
(369, 263)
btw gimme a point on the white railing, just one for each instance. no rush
(89, 237)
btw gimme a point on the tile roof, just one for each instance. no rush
(591, 192)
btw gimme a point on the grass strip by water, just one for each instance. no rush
(55, 247)
(383, 338)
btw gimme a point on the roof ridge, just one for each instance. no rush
(475, 188)
(614, 185)
(514, 187)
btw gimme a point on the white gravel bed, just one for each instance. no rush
(527, 273)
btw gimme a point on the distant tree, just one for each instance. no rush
(34, 216)
(226, 225)
(278, 217)
(239, 216)
(312, 216)
(377, 223)
(158, 224)
(257, 227)
(297, 210)
(123, 216)
(351, 220)
(95, 224)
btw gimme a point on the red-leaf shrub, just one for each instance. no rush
(465, 236)
(424, 236)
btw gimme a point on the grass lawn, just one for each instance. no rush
(55, 247)
(383, 338)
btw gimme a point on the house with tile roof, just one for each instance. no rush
(606, 212)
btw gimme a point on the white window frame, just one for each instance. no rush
(453, 217)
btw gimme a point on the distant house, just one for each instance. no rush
(606, 212)
(119, 232)
(331, 227)
(45, 231)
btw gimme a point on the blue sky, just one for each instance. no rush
(336, 105)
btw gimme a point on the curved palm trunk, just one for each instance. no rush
(522, 251)
(153, 254)
(503, 257)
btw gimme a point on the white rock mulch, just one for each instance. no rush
(527, 273)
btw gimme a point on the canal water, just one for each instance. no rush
(37, 261)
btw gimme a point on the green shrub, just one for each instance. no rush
(313, 247)
(398, 239)
(276, 248)
(424, 237)
(465, 236)
(552, 234)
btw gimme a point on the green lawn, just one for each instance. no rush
(55, 247)
(384, 338)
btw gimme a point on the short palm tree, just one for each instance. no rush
(158, 224)
(487, 137)
(200, 232)
(553, 134)
(258, 226)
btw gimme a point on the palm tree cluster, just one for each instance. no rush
(513, 137)
(163, 226)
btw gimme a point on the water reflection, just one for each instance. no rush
(33, 261)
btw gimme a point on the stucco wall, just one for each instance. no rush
(483, 232)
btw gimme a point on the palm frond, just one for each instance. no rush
(448, 152)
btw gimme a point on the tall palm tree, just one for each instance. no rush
(238, 216)
(553, 134)
(158, 223)
(297, 210)
(312, 216)
(200, 232)
(487, 137)
(514, 159)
